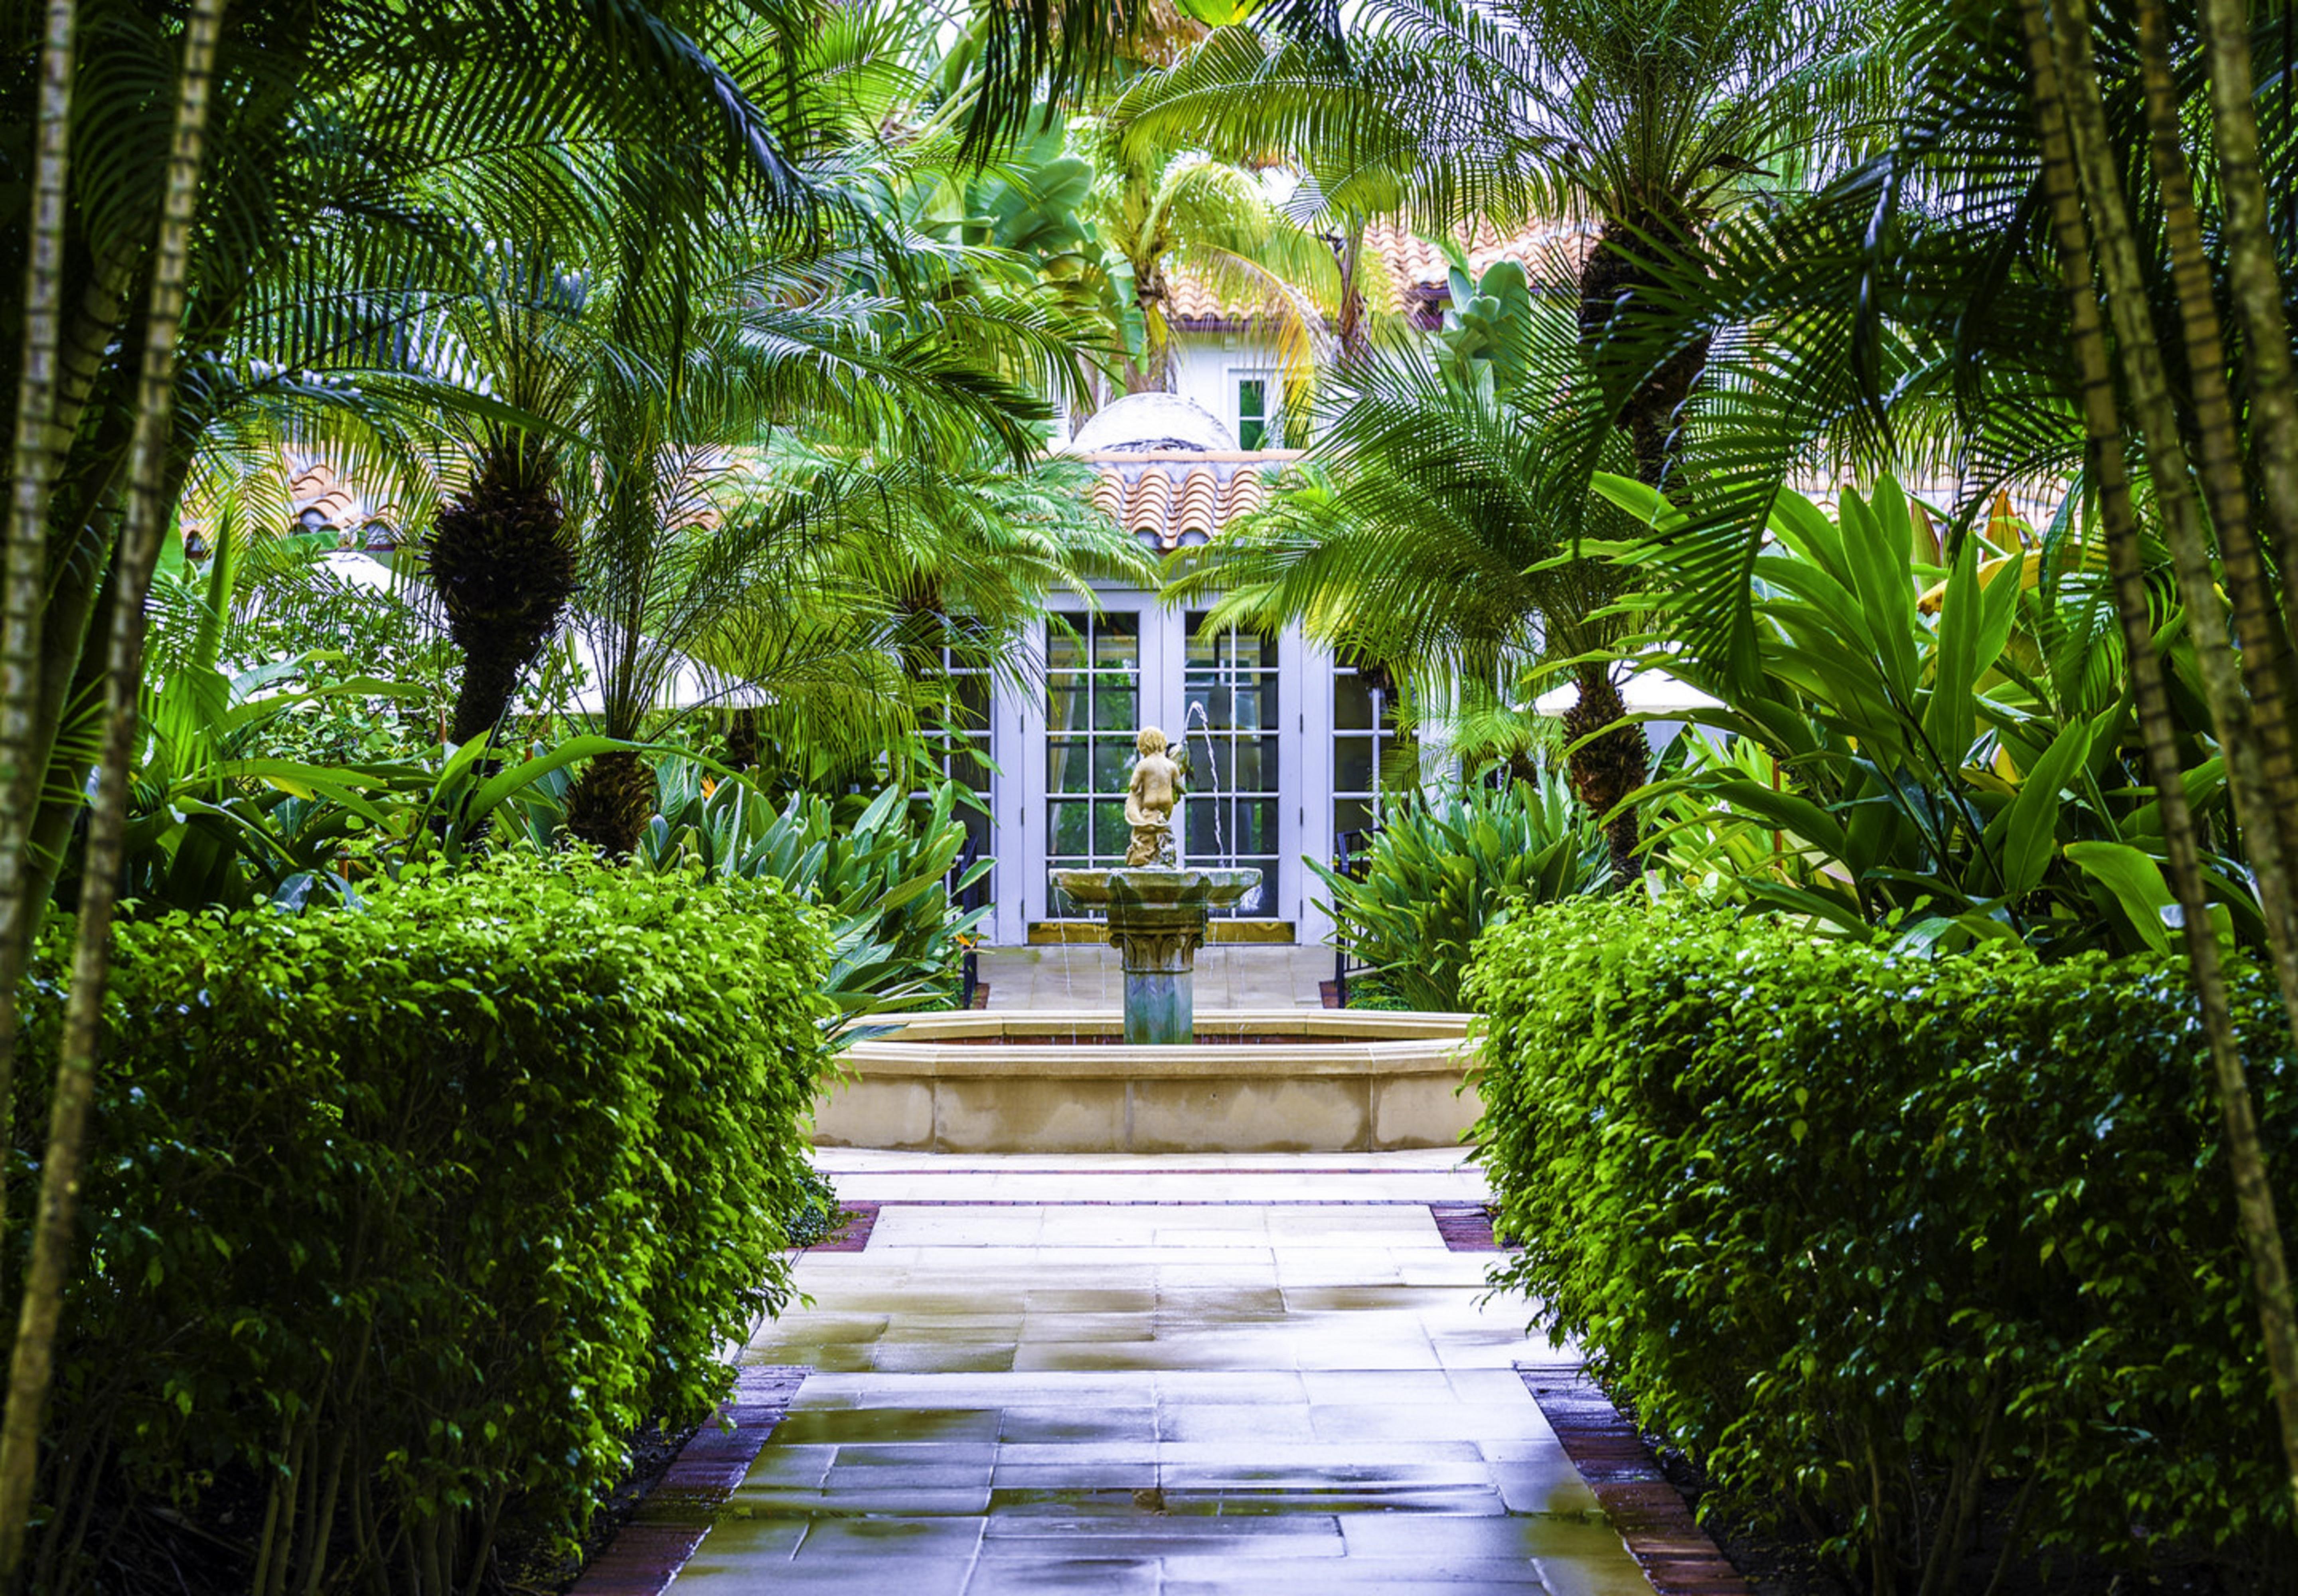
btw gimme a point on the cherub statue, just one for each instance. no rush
(1149, 799)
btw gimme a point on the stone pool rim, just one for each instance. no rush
(1370, 1080)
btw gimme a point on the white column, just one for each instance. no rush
(1308, 776)
(1019, 795)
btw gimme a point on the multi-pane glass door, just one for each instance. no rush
(1229, 716)
(1093, 709)
(1366, 740)
(1215, 692)
(960, 747)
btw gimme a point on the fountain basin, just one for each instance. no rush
(1264, 1080)
(1186, 887)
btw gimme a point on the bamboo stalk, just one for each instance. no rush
(24, 564)
(2256, 281)
(2257, 616)
(2241, 737)
(2103, 424)
(32, 1366)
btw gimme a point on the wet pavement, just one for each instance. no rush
(1178, 1376)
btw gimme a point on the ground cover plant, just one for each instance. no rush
(1867, 1233)
(537, 1125)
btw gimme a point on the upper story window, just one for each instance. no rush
(1271, 413)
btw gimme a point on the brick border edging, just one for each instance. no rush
(1467, 1228)
(855, 1222)
(656, 1541)
(1675, 1554)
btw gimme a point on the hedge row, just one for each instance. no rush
(1879, 1240)
(402, 1220)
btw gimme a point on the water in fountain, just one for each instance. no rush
(1252, 900)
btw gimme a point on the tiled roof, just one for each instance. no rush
(1177, 498)
(1410, 272)
(322, 500)
(318, 499)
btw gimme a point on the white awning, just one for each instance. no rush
(1652, 693)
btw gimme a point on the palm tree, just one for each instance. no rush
(1438, 537)
(1985, 291)
(322, 178)
(1650, 118)
(1161, 213)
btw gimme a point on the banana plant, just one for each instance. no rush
(1945, 750)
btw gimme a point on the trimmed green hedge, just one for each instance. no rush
(1868, 1236)
(401, 1220)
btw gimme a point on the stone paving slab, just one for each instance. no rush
(1190, 1394)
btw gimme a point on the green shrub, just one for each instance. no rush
(399, 1220)
(813, 1218)
(1438, 872)
(1866, 1233)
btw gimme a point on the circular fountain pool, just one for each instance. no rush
(1268, 1081)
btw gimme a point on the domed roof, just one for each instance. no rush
(1145, 421)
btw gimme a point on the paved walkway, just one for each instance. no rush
(1180, 1377)
(1077, 975)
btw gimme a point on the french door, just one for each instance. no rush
(1223, 695)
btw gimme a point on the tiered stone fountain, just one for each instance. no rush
(1157, 917)
(1312, 1080)
(1156, 909)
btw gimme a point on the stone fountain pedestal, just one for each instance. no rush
(1157, 923)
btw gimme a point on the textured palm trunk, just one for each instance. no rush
(33, 1358)
(1153, 374)
(611, 803)
(1615, 269)
(2260, 1234)
(2253, 275)
(1615, 765)
(1349, 326)
(1608, 768)
(502, 566)
(24, 566)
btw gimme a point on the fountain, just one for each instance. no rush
(1254, 1081)
(1157, 907)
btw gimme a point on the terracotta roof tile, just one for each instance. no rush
(1177, 498)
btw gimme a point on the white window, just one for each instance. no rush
(1093, 710)
(1368, 750)
(1271, 413)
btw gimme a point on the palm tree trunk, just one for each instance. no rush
(2252, 275)
(1348, 325)
(33, 1361)
(2261, 1235)
(24, 566)
(1607, 768)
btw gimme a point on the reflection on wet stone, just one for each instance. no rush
(1191, 1396)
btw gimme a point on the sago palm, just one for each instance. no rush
(1441, 539)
